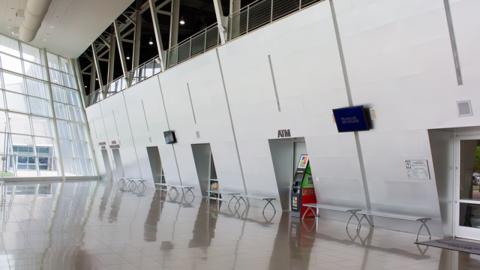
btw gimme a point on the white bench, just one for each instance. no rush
(185, 189)
(352, 211)
(268, 200)
(233, 195)
(366, 214)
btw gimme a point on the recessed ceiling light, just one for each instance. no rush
(150, 43)
(128, 57)
(182, 21)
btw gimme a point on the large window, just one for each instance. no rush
(33, 110)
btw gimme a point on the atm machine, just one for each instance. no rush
(302, 188)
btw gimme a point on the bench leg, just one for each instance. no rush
(229, 201)
(189, 190)
(240, 198)
(269, 202)
(306, 211)
(176, 193)
(352, 215)
(424, 225)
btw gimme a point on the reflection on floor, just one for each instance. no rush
(94, 225)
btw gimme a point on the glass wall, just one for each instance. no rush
(33, 105)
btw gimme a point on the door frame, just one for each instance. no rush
(461, 231)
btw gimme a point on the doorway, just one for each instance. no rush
(155, 164)
(117, 158)
(467, 187)
(106, 162)
(205, 166)
(285, 157)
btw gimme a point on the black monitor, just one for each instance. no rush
(169, 137)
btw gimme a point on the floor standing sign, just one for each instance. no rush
(302, 188)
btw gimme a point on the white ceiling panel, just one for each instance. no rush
(69, 27)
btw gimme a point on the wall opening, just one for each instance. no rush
(155, 164)
(205, 166)
(285, 157)
(117, 158)
(106, 163)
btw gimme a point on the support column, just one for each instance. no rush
(221, 20)
(174, 23)
(348, 93)
(79, 80)
(118, 37)
(137, 37)
(99, 72)
(111, 59)
(156, 28)
(234, 23)
(54, 116)
(93, 76)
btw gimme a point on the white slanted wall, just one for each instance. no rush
(288, 75)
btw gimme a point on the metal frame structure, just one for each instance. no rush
(109, 42)
(240, 21)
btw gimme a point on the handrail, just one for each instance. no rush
(257, 14)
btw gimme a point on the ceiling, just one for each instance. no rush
(69, 27)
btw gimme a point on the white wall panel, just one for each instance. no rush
(399, 62)
(309, 83)
(97, 132)
(201, 113)
(148, 124)
(117, 126)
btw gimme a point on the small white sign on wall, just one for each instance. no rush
(417, 169)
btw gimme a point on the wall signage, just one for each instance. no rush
(356, 118)
(417, 169)
(284, 133)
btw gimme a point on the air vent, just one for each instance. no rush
(464, 108)
(20, 13)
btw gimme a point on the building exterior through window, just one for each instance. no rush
(42, 123)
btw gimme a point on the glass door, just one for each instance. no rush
(467, 203)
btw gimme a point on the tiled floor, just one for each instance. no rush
(93, 225)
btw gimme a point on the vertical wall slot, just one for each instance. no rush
(274, 82)
(453, 42)
(145, 116)
(191, 104)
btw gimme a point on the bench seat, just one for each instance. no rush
(423, 220)
(268, 200)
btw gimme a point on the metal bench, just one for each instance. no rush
(366, 214)
(185, 189)
(163, 186)
(132, 184)
(232, 195)
(268, 200)
(314, 207)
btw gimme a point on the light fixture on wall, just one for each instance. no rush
(128, 57)
(150, 42)
(182, 21)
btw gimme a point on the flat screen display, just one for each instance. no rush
(169, 137)
(349, 119)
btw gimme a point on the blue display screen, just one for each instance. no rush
(350, 119)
